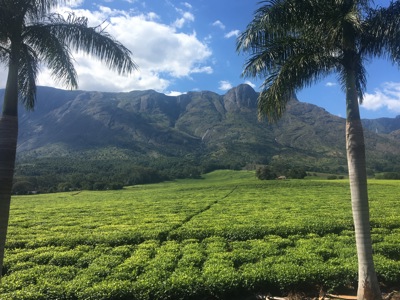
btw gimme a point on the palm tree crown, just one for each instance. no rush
(292, 44)
(31, 35)
(295, 43)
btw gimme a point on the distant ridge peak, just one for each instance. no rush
(242, 96)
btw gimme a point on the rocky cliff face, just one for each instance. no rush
(241, 97)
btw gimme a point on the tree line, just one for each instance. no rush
(65, 174)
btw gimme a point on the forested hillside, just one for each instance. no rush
(95, 140)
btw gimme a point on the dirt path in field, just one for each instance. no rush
(208, 207)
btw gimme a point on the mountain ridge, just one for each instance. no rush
(200, 128)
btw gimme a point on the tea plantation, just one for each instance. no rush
(224, 236)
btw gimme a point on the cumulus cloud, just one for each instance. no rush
(219, 24)
(224, 85)
(387, 96)
(233, 33)
(161, 51)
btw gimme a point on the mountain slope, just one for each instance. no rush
(200, 128)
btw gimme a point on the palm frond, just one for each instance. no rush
(4, 54)
(382, 33)
(294, 43)
(75, 32)
(53, 52)
(299, 71)
(36, 9)
(27, 73)
(31, 34)
(287, 51)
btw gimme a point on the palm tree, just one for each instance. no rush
(294, 43)
(31, 35)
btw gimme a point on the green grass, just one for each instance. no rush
(226, 234)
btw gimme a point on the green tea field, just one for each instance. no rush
(226, 236)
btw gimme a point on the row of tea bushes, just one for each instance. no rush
(191, 268)
(228, 234)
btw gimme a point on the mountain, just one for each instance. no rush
(197, 128)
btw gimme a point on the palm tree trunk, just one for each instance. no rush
(8, 149)
(8, 146)
(368, 286)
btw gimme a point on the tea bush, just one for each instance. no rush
(226, 235)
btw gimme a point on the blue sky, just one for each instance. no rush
(189, 45)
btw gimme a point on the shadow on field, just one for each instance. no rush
(393, 295)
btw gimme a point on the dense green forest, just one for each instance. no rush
(65, 174)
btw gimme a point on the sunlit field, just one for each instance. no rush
(224, 236)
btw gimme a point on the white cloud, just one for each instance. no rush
(330, 84)
(161, 51)
(174, 93)
(250, 84)
(75, 3)
(388, 96)
(219, 24)
(187, 5)
(233, 33)
(224, 85)
(186, 17)
(205, 69)
(152, 16)
(179, 23)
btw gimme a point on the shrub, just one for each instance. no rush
(265, 173)
(297, 173)
(388, 175)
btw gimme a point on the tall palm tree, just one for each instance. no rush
(292, 44)
(30, 35)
